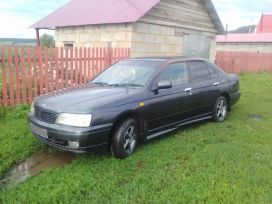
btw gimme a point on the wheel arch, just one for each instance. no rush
(227, 96)
(129, 114)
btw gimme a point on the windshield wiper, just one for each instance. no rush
(125, 84)
(100, 83)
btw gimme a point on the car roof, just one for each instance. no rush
(168, 58)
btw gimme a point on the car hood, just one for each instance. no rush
(85, 99)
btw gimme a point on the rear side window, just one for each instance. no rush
(177, 73)
(199, 71)
(212, 71)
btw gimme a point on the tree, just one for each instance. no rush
(47, 41)
(244, 29)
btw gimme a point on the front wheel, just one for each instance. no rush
(220, 109)
(124, 140)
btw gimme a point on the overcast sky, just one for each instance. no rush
(17, 15)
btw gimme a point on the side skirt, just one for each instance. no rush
(149, 137)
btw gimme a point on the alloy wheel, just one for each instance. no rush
(221, 110)
(130, 139)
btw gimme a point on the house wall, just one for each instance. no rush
(158, 40)
(248, 47)
(189, 14)
(95, 35)
(166, 28)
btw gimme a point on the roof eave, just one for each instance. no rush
(214, 16)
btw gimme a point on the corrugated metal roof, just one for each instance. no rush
(245, 38)
(92, 12)
(265, 24)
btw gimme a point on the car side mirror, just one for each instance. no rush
(164, 84)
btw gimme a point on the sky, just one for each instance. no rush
(16, 16)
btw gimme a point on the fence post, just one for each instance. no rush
(84, 65)
(66, 68)
(89, 64)
(17, 80)
(23, 74)
(4, 79)
(104, 59)
(109, 54)
(29, 74)
(76, 66)
(80, 66)
(71, 67)
(46, 69)
(51, 72)
(11, 84)
(56, 75)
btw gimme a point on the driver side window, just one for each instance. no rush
(177, 73)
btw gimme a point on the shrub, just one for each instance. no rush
(20, 111)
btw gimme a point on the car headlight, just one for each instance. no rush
(76, 120)
(32, 108)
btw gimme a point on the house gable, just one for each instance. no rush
(189, 14)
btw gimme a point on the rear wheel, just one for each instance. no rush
(124, 140)
(220, 109)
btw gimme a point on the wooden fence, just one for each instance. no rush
(28, 72)
(239, 62)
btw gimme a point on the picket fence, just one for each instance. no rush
(26, 72)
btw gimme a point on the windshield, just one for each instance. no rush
(127, 73)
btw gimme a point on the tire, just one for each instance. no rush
(125, 138)
(220, 109)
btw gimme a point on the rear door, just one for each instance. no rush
(205, 88)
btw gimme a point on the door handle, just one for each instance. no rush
(216, 83)
(188, 90)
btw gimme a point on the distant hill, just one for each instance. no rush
(244, 29)
(17, 42)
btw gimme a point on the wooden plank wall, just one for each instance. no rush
(190, 14)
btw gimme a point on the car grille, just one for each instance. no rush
(45, 116)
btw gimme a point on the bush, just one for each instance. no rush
(18, 112)
(21, 111)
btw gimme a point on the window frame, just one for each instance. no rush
(68, 45)
(213, 68)
(167, 67)
(191, 73)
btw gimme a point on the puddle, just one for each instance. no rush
(256, 117)
(33, 165)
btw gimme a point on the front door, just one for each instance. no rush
(167, 107)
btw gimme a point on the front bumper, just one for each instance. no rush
(89, 139)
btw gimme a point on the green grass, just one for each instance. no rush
(15, 139)
(228, 162)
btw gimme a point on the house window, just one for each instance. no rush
(68, 45)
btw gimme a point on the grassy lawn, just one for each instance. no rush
(15, 139)
(228, 162)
